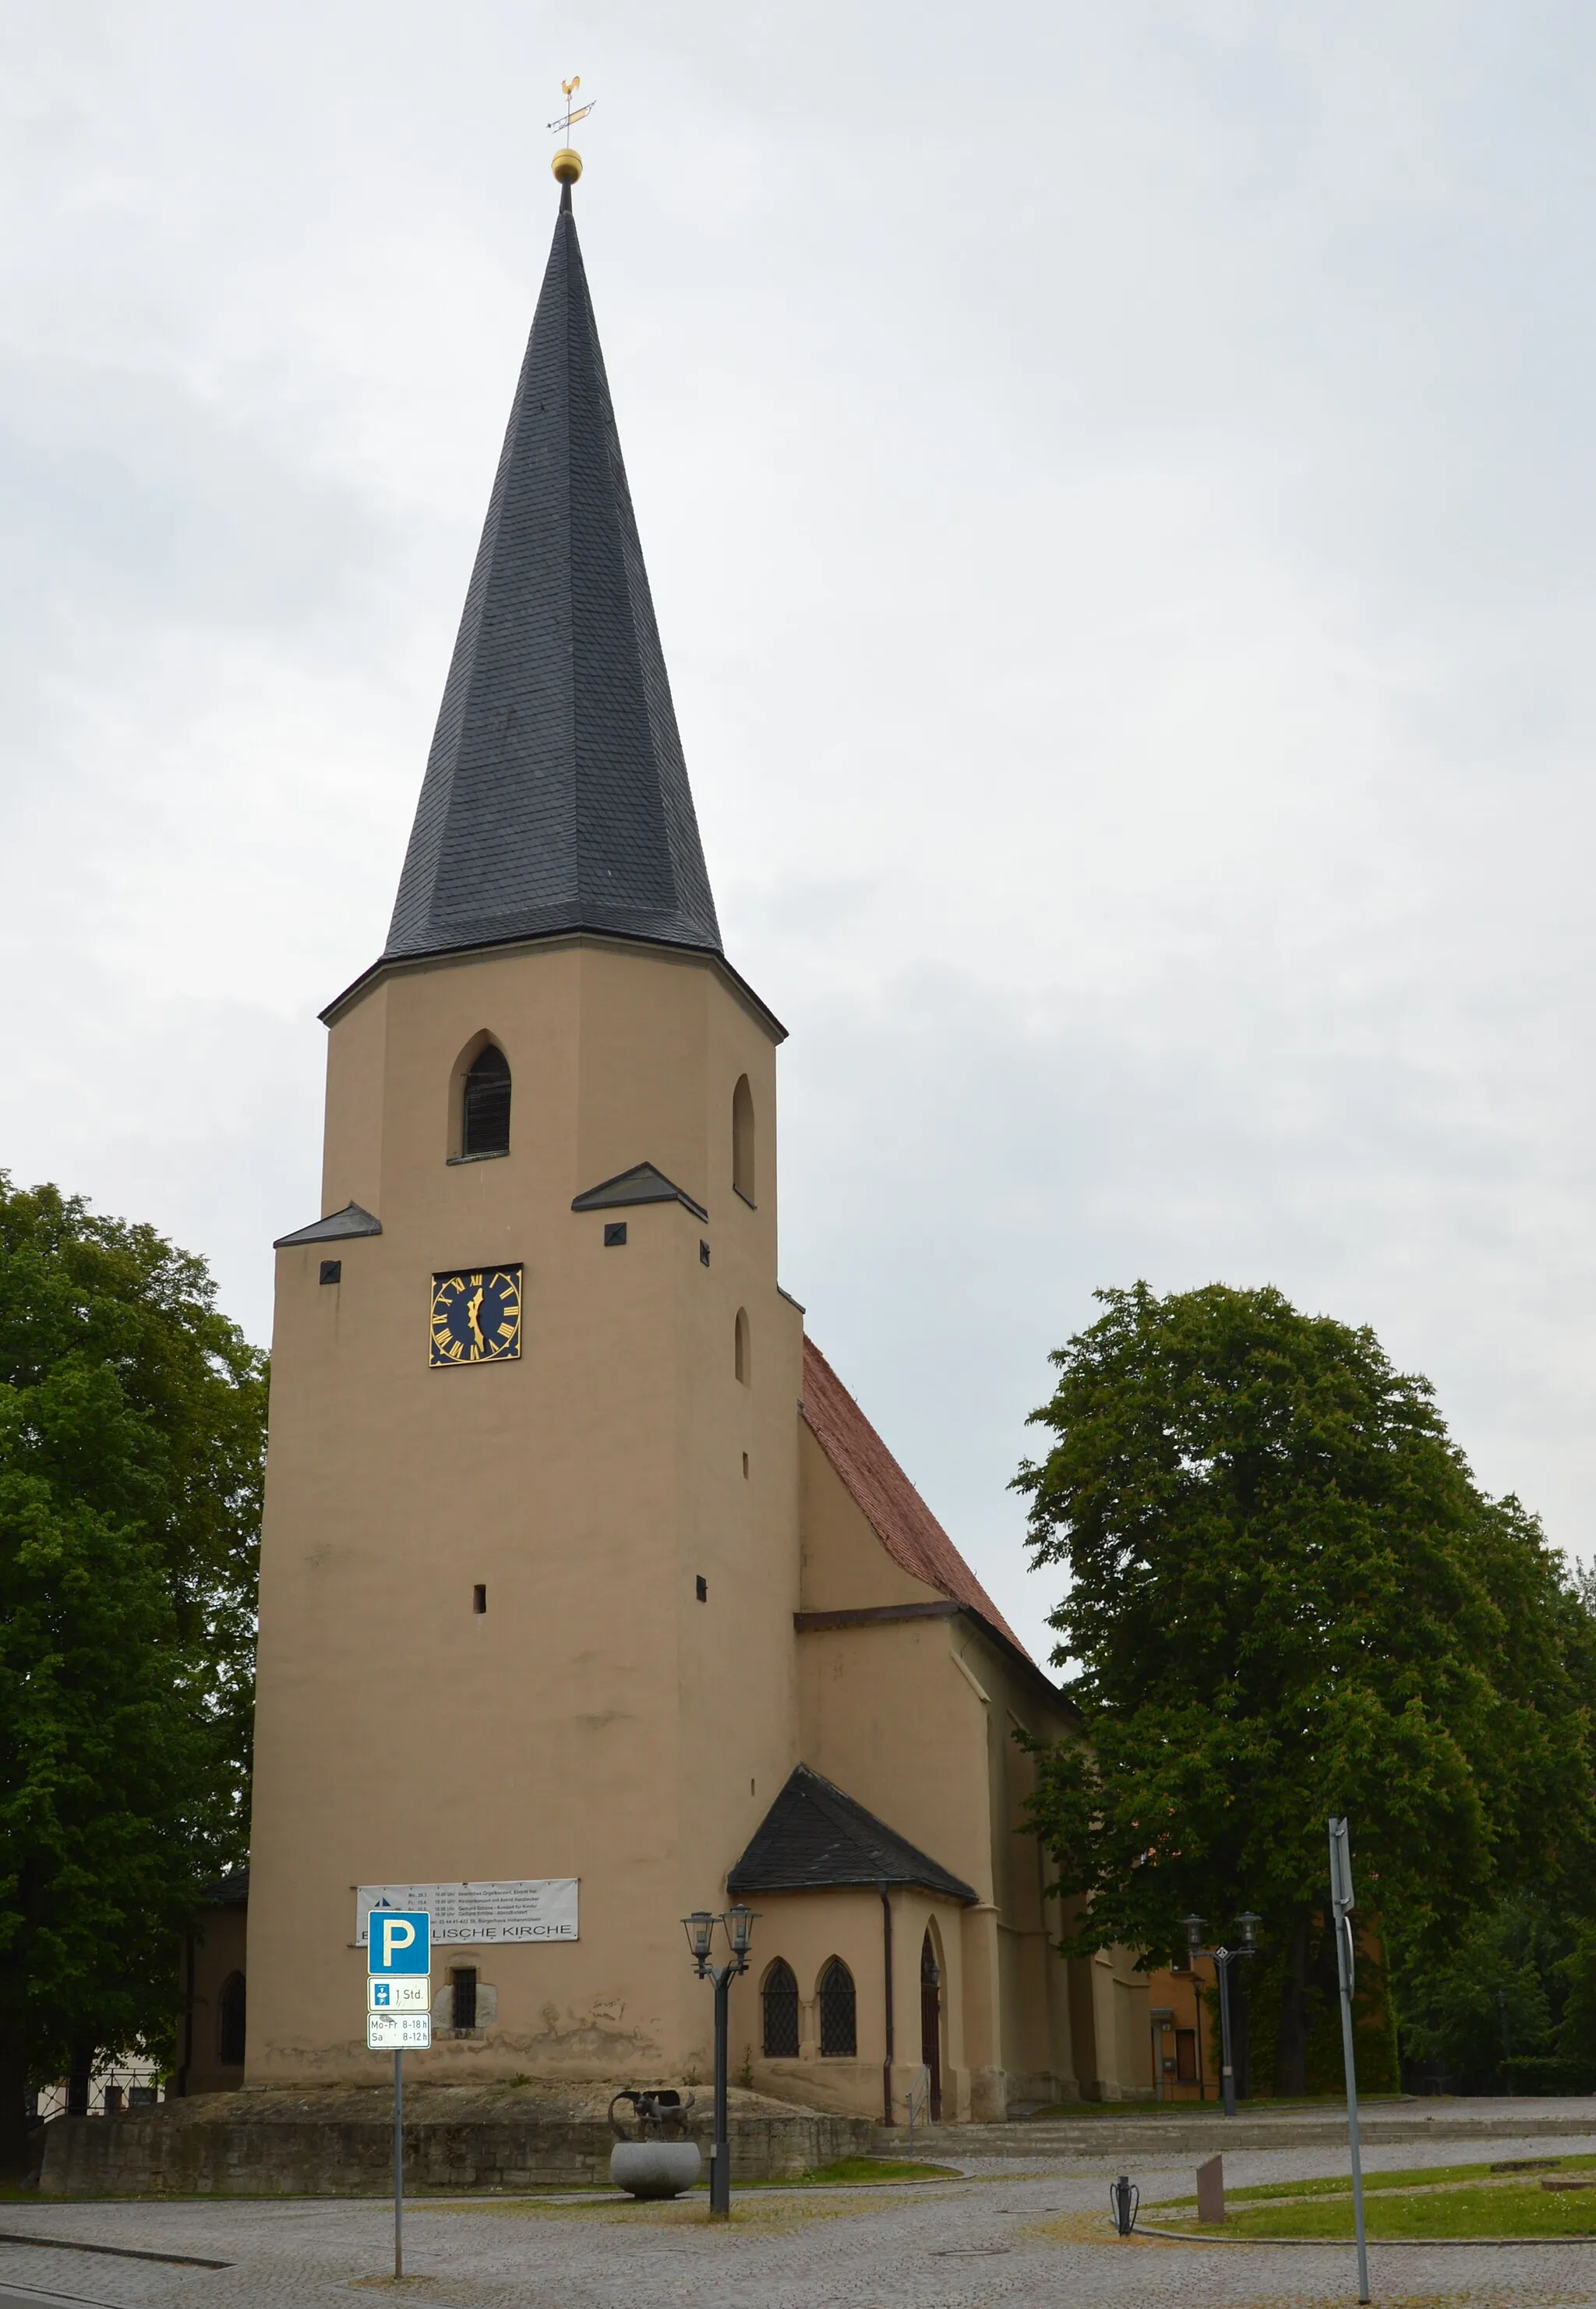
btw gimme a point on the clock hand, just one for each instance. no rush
(474, 1306)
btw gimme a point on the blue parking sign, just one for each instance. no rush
(398, 1942)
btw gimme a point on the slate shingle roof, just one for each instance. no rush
(893, 1508)
(556, 794)
(643, 1183)
(337, 1228)
(813, 1838)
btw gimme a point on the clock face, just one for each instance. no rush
(476, 1316)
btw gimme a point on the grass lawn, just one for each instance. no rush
(1436, 2201)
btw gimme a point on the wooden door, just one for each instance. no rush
(931, 2024)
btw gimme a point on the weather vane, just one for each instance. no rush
(567, 164)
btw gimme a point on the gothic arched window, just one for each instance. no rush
(742, 1140)
(839, 2022)
(779, 1998)
(229, 2022)
(485, 1113)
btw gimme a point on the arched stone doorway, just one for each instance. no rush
(931, 2022)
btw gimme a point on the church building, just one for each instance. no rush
(589, 1595)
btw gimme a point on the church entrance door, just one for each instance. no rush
(931, 2024)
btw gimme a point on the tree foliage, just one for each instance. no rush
(131, 1433)
(1286, 1599)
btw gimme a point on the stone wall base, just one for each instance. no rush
(340, 2143)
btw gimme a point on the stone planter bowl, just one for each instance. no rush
(654, 2168)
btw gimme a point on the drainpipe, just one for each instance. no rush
(886, 1957)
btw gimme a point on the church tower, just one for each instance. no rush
(589, 1595)
(530, 1558)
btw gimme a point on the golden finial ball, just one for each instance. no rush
(567, 166)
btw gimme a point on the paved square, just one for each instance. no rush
(1024, 2235)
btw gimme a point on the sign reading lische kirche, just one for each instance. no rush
(467, 1915)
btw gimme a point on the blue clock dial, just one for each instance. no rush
(476, 1316)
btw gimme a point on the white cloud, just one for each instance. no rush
(1119, 495)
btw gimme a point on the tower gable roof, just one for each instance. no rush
(813, 1838)
(883, 1494)
(338, 1227)
(643, 1183)
(556, 795)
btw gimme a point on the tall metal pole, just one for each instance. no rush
(1222, 1965)
(1342, 1903)
(720, 2159)
(399, 2164)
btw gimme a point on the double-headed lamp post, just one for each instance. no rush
(738, 1924)
(1223, 1958)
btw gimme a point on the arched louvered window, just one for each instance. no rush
(839, 2021)
(484, 1120)
(742, 1139)
(780, 2000)
(229, 2022)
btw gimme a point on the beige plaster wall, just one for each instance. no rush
(845, 1567)
(597, 1720)
(807, 1929)
(916, 1719)
(886, 1714)
(220, 1947)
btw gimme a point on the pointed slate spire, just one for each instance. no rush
(556, 795)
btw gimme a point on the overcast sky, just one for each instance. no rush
(1118, 488)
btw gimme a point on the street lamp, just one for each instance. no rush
(1223, 1958)
(738, 1924)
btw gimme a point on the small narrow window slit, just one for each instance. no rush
(478, 1598)
(462, 1981)
(702, 1589)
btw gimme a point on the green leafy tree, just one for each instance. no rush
(1486, 2015)
(1286, 1599)
(132, 1431)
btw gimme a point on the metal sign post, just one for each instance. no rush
(1341, 1903)
(398, 2165)
(398, 2013)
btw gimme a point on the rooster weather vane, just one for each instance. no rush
(572, 113)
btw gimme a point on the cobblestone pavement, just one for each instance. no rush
(1016, 2237)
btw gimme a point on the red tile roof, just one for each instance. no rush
(889, 1502)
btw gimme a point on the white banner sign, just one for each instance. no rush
(464, 1915)
(398, 2032)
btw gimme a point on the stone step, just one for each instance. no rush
(1147, 2136)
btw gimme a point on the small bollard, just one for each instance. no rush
(1211, 2189)
(1124, 2197)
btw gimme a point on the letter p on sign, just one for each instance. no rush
(399, 1943)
